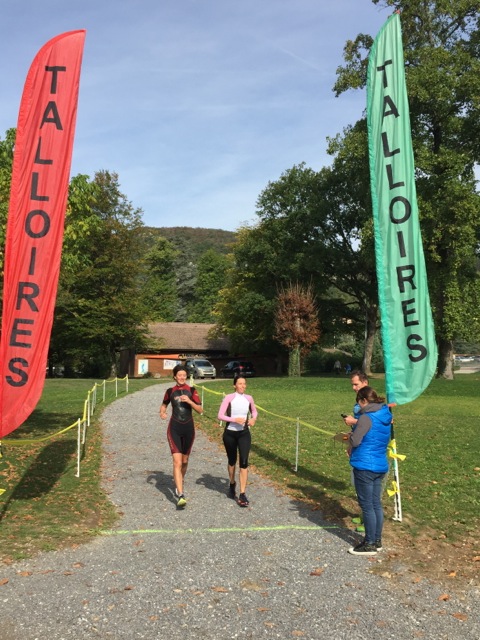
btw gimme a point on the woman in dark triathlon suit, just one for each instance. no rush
(181, 430)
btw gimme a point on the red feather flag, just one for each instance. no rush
(38, 200)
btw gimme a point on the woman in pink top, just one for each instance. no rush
(239, 413)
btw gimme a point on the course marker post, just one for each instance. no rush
(397, 516)
(79, 448)
(296, 444)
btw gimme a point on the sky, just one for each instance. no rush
(196, 104)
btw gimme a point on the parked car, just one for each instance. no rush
(200, 368)
(238, 368)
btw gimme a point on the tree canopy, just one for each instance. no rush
(6, 161)
(159, 288)
(317, 226)
(211, 273)
(441, 46)
(99, 308)
(296, 323)
(313, 228)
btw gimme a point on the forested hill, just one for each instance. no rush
(197, 239)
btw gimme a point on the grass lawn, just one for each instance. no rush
(438, 432)
(46, 506)
(439, 479)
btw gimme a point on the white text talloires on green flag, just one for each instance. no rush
(408, 336)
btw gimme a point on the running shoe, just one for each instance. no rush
(243, 500)
(231, 491)
(181, 501)
(378, 544)
(363, 549)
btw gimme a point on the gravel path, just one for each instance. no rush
(213, 570)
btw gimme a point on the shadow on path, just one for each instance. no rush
(42, 475)
(163, 483)
(214, 483)
(328, 512)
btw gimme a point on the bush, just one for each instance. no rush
(320, 361)
(314, 362)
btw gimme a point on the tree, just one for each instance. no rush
(269, 256)
(6, 161)
(296, 323)
(159, 286)
(99, 309)
(211, 271)
(327, 236)
(345, 222)
(314, 229)
(441, 46)
(245, 307)
(185, 269)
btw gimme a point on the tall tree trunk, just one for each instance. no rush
(114, 365)
(371, 318)
(294, 362)
(445, 359)
(278, 365)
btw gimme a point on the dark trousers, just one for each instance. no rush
(368, 486)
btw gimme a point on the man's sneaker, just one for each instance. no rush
(231, 491)
(243, 500)
(378, 545)
(363, 549)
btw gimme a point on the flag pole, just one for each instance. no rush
(395, 490)
(408, 335)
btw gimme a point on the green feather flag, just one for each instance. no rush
(408, 336)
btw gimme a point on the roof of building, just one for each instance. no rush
(187, 336)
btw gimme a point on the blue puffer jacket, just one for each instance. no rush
(371, 453)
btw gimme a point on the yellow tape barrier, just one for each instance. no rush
(18, 443)
(391, 492)
(396, 456)
(216, 393)
(391, 447)
(392, 452)
(294, 420)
